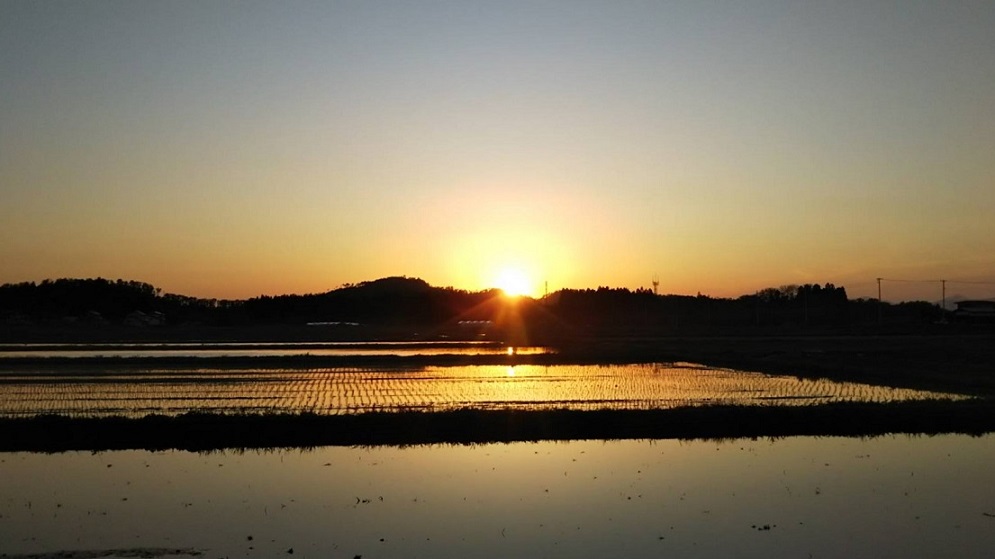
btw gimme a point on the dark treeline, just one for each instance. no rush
(78, 298)
(394, 305)
(401, 304)
(394, 300)
(388, 300)
(607, 309)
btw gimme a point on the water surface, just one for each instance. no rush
(139, 392)
(255, 349)
(894, 496)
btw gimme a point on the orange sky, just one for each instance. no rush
(230, 150)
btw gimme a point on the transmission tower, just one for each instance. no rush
(656, 284)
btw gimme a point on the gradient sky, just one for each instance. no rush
(231, 149)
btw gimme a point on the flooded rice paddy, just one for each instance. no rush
(884, 497)
(256, 349)
(331, 391)
(890, 496)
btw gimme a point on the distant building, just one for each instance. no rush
(94, 317)
(140, 319)
(975, 311)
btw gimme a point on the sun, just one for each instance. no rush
(513, 282)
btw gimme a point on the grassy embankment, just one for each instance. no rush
(195, 431)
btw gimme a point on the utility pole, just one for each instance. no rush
(805, 304)
(943, 309)
(879, 302)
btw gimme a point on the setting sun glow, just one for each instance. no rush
(513, 282)
(527, 146)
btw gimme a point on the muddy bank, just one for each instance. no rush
(135, 552)
(198, 432)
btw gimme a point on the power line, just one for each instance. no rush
(943, 288)
(911, 280)
(902, 280)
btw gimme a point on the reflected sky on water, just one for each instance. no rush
(894, 496)
(251, 349)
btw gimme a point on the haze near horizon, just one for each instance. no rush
(234, 149)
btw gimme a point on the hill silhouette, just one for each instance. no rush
(403, 306)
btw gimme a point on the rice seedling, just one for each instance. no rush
(335, 391)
